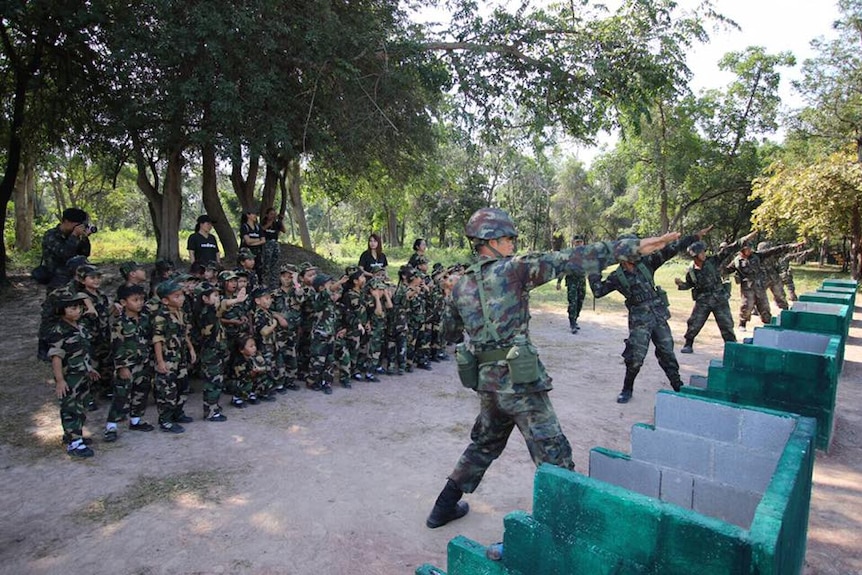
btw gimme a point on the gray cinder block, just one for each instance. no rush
(765, 431)
(697, 417)
(744, 468)
(631, 474)
(791, 340)
(724, 502)
(677, 487)
(672, 449)
(698, 381)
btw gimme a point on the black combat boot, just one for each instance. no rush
(687, 348)
(448, 506)
(628, 385)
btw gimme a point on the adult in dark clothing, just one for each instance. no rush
(202, 245)
(708, 291)
(419, 248)
(68, 239)
(251, 237)
(373, 259)
(648, 313)
(273, 224)
(576, 287)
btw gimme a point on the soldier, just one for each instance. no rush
(170, 337)
(213, 349)
(708, 291)
(500, 363)
(132, 363)
(770, 258)
(73, 370)
(787, 271)
(265, 324)
(69, 238)
(576, 289)
(749, 274)
(648, 313)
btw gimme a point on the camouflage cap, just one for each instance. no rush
(352, 270)
(306, 266)
(205, 288)
(320, 280)
(165, 264)
(168, 287)
(407, 273)
(128, 267)
(86, 271)
(184, 277)
(377, 283)
(211, 265)
(697, 247)
(490, 224)
(288, 268)
(260, 291)
(763, 246)
(227, 275)
(244, 254)
(67, 296)
(421, 260)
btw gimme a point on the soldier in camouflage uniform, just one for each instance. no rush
(491, 298)
(750, 276)
(96, 318)
(704, 280)
(68, 239)
(287, 301)
(378, 305)
(213, 349)
(770, 257)
(397, 324)
(307, 273)
(354, 311)
(648, 313)
(170, 338)
(130, 344)
(73, 369)
(417, 324)
(265, 324)
(576, 290)
(325, 330)
(787, 271)
(436, 306)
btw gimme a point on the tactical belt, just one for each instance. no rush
(639, 299)
(491, 356)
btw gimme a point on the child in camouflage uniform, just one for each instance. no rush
(96, 318)
(132, 363)
(245, 262)
(378, 304)
(324, 332)
(248, 366)
(416, 321)
(397, 326)
(287, 301)
(170, 337)
(265, 323)
(73, 369)
(213, 349)
(354, 311)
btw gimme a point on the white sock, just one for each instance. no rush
(135, 420)
(77, 444)
(110, 426)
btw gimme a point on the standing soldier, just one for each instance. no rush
(708, 292)
(787, 271)
(576, 289)
(770, 258)
(749, 274)
(648, 313)
(287, 301)
(500, 363)
(213, 349)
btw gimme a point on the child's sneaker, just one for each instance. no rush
(281, 389)
(80, 451)
(371, 377)
(237, 402)
(357, 376)
(168, 427)
(252, 399)
(183, 418)
(110, 435)
(216, 416)
(326, 388)
(270, 397)
(141, 426)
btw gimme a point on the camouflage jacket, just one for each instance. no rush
(211, 332)
(171, 330)
(327, 315)
(706, 282)
(262, 319)
(98, 325)
(71, 343)
(354, 310)
(131, 341)
(289, 304)
(396, 316)
(56, 251)
(492, 300)
(249, 368)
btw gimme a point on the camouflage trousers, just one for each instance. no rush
(104, 364)
(790, 285)
(286, 351)
(719, 307)
(754, 297)
(355, 360)
(131, 395)
(73, 413)
(269, 271)
(499, 413)
(576, 291)
(418, 345)
(376, 342)
(212, 370)
(265, 383)
(396, 350)
(643, 329)
(778, 295)
(166, 389)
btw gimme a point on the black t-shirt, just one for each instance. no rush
(371, 264)
(270, 234)
(251, 232)
(205, 248)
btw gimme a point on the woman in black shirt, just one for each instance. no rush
(251, 236)
(272, 225)
(373, 259)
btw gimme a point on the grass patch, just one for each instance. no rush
(147, 491)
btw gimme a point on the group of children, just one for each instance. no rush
(239, 337)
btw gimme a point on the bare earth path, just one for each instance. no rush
(337, 484)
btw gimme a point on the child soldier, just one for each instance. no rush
(265, 323)
(325, 330)
(307, 273)
(170, 337)
(132, 363)
(287, 301)
(245, 262)
(213, 349)
(354, 312)
(71, 363)
(379, 302)
(396, 324)
(96, 318)
(247, 367)
(234, 311)
(436, 304)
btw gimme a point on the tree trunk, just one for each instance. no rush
(244, 187)
(296, 206)
(392, 227)
(212, 204)
(172, 206)
(150, 189)
(856, 242)
(282, 210)
(270, 185)
(25, 195)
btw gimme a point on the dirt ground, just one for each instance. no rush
(338, 484)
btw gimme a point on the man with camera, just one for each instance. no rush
(68, 239)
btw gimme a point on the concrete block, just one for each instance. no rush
(717, 421)
(735, 506)
(672, 449)
(619, 469)
(791, 340)
(698, 381)
(765, 431)
(827, 297)
(844, 283)
(677, 487)
(466, 556)
(742, 468)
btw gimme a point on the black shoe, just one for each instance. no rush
(443, 356)
(92, 406)
(292, 385)
(110, 435)
(81, 452)
(379, 370)
(624, 396)
(326, 388)
(686, 349)
(440, 517)
(183, 418)
(216, 416)
(345, 383)
(141, 426)
(358, 376)
(371, 377)
(424, 365)
(280, 389)
(252, 399)
(237, 402)
(409, 369)
(269, 397)
(172, 427)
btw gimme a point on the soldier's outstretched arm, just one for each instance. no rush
(650, 245)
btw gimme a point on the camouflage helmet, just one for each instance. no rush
(763, 246)
(697, 247)
(490, 224)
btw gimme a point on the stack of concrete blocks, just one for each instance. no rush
(817, 317)
(711, 488)
(785, 370)
(847, 287)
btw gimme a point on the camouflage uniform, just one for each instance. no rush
(787, 272)
(750, 276)
(213, 351)
(99, 327)
(170, 329)
(244, 375)
(71, 343)
(355, 317)
(710, 296)
(131, 345)
(322, 351)
(576, 291)
(262, 319)
(57, 249)
(289, 304)
(417, 346)
(648, 314)
(396, 332)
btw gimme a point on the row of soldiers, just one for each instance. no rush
(248, 340)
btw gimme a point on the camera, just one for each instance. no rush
(91, 228)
